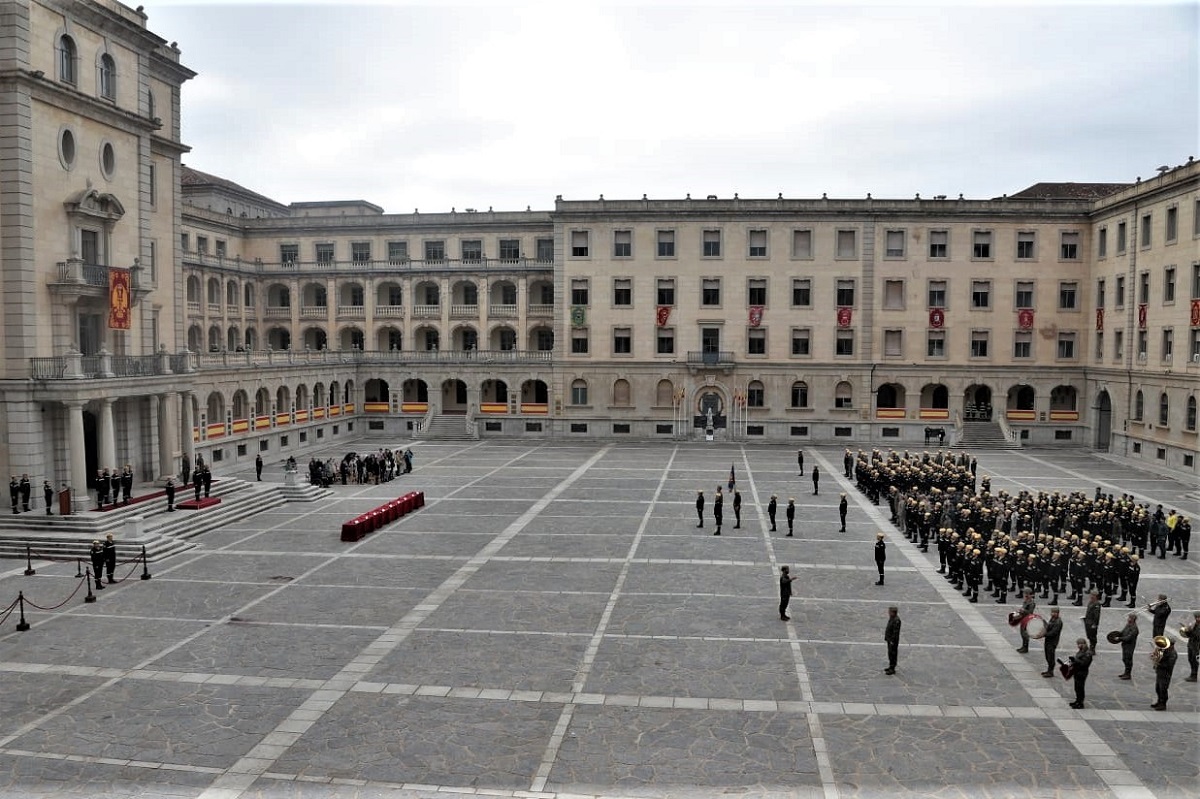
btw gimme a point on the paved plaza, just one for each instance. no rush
(553, 624)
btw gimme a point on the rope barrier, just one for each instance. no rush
(60, 604)
(87, 577)
(8, 612)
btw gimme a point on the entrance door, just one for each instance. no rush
(1103, 421)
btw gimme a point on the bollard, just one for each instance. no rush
(29, 571)
(22, 625)
(145, 567)
(78, 567)
(88, 576)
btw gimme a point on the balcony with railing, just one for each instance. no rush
(382, 265)
(214, 309)
(389, 311)
(502, 311)
(314, 311)
(351, 312)
(541, 311)
(277, 312)
(715, 359)
(427, 312)
(461, 311)
(193, 309)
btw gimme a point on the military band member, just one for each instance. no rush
(1050, 641)
(1160, 612)
(1193, 647)
(1164, 665)
(1129, 636)
(1028, 606)
(1081, 662)
(1091, 619)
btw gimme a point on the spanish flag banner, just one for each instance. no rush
(120, 314)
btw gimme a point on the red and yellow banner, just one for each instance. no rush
(120, 312)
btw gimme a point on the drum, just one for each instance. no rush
(1034, 626)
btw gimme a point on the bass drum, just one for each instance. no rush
(1034, 626)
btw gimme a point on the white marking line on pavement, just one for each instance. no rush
(1073, 727)
(550, 755)
(241, 775)
(815, 732)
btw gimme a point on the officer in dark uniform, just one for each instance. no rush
(48, 493)
(1081, 663)
(170, 493)
(26, 491)
(843, 507)
(718, 509)
(790, 512)
(771, 508)
(800, 461)
(198, 482)
(1091, 619)
(1193, 648)
(699, 507)
(97, 555)
(816, 478)
(1129, 636)
(785, 592)
(14, 492)
(110, 557)
(737, 509)
(127, 483)
(891, 635)
(258, 467)
(1050, 640)
(207, 479)
(880, 557)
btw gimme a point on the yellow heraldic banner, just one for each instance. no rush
(119, 312)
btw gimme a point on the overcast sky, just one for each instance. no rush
(505, 105)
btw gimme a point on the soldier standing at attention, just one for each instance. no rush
(1050, 641)
(1164, 664)
(1091, 619)
(26, 490)
(880, 556)
(800, 461)
(790, 512)
(891, 635)
(48, 492)
(1027, 609)
(1081, 662)
(1129, 636)
(718, 506)
(771, 508)
(843, 506)
(700, 507)
(97, 555)
(171, 493)
(110, 557)
(258, 466)
(816, 478)
(737, 509)
(1193, 649)
(14, 492)
(785, 592)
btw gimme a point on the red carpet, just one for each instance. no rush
(198, 504)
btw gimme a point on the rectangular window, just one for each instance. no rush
(1144, 239)
(982, 244)
(289, 253)
(1121, 237)
(1120, 291)
(1102, 243)
(979, 343)
(1118, 344)
(844, 344)
(845, 293)
(801, 341)
(1069, 247)
(622, 243)
(893, 295)
(937, 293)
(1022, 345)
(710, 291)
(893, 343)
(1144, 287)
(981, 294)
(622, 341)
(510, 250)
(360, 252)
(1196, 281)
(222, 248)
(579, 244)
(1194, 345)
(202, 245)
(545, 340)
(1024, 294)
(154, 274)
(1068, 296)
(758, 244)
(800, 400)
(579, 342)
(579, 291)
(847, 243)
(622, 292)
(801, 292)
(935, 344)
(184, 242)
(1025, 246)
(756, 291)
(665, 291)
(1099, 356)
(1169, 284)
(579, 396)
(545, 251)
(756, 341)
(324, 253)
(711, 240)
(894, 244)
(665, 341)
(472, 251)
(152, 181)
(1101, 292)
(1143, 343)
(435, 250)
(939, 244)
(666, 244)
(1172, 225)
(1066, 346)
(802, 242)
(397, 252)
(755, 396)
(1168, 344)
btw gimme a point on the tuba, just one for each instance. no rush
(1185, 631)
(1161, 645)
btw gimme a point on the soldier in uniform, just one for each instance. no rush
(816, 478)
(1050, 641)
(1161, 611)
(880, 556)
(1129, 636)
(1091, 619)
(1165, 657)
(258, 467)
(790, 512)
(170, 493)
(843, 507)
(772, 506)
(1028, 606)
(1081, 662)
(699, 506)
(97, 555)
(737, 509)
(127, 483)
(1193, 649)
(110, 557)
(26, 490)
(48, 493)
(14, 492)
(718, 506)
(800, 461)
(891, 635)
(785, 592)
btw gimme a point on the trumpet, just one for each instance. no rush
(1150, 608)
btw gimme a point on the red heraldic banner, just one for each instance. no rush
(756, 314)
(662, 314)
(120, 315)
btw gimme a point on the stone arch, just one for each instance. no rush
(241, 404)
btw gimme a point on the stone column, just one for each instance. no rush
(153, 440)
(106, 437)
(76, 456)
(186, 423)
(168, 435)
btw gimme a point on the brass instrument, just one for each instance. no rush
(1161, 645)
(1185, 631)
(1150, 608)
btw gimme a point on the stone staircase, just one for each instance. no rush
(448, 427)
(147, 524)
(984, 435)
